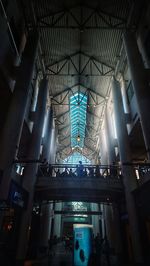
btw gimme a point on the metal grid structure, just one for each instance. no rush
(80, 48)
(78, 106)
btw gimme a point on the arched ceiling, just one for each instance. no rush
(80, 43)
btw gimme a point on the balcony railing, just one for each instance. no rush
(82, 171)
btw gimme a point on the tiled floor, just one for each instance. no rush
(58, 257)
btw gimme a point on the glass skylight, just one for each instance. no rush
(78, 107)
(75, 158)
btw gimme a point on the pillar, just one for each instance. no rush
(140, 84)
(103, 149)
(57, 220)
(46, 209)
(110, 211)
(109, 224)
(29, 178)
(109, 139)
(9, 141)
(125, 101)
(53, 145)
(117, 236)
(95, 219)
(129, 178)
(45, 229)
(103, 222)
(48, 135)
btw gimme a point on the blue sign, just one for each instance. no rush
(18, 196)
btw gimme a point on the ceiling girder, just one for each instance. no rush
(90, 113)
(66, 137)
(76, 85)
(63, 128)
(64, 147)
(69, 19)
(88, 147)
(63, 114)
(59, 68)
(65, 90)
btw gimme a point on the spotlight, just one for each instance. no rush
(78, 138)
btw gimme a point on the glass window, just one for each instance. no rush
(78, 107)
(75, 158)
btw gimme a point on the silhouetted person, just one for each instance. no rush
(85, 172)
(91, 171)
(58, 173)
(77, 170)
(44, 169)
(97, 171)
(64, 173)
(71, 173)
(113, 170)
(50, 170)
(80, 168)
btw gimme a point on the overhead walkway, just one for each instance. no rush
(105, 185)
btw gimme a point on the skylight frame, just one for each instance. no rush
(78, 108)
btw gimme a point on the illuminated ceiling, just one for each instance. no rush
(78, 109)
(75, 157)
(80, 44)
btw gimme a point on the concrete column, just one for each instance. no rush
(140, 84)
(125, 100)
(129, 177)
(109, 224)
(141, 44)
(109, 139)
(47, 209)
(95, 219)
(109, 212)
(53, 144)
(30, 171)
(35, 93)
(117, 235)
(46, 219)
(103, 149)
(103, 222)
(57, 220)
(9, 140)
(124, 95)
(48, 135)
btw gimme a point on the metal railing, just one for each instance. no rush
(82, 171)
(114, 172)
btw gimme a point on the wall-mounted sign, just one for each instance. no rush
(18, 196)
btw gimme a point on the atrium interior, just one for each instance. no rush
(74, 132)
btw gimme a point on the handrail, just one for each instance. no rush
(142, 170)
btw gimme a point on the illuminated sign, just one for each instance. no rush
(18, 196)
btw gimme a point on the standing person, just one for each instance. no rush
(81, 168)
(58, 173)
(71, 173)
(77, 171)
(97, 171)
(91, 171)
